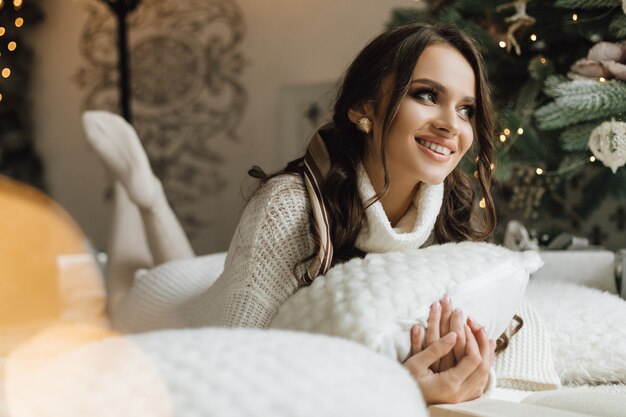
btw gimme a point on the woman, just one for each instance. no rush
(383, 176)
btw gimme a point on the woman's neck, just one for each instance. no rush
(399, 197)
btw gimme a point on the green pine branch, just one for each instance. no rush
(587, 4)
(617, 27)
(580, 101)
(573, 164)
(576, 138)
(603, 183)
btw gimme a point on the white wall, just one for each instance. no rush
(287, 42)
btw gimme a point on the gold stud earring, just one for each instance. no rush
(364, 124)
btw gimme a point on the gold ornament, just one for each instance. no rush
(364, 124)
(608, 144)
(519, 20)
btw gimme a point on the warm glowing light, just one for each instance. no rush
(482, 203)
(11, 46)
(507, 131)
(502, 138)
(2, 31)
(543, 60)
(574, 17)
(602, 79)
(539, 171)
(493, 166)
(520, 131)
(533, 37)
(17, 3)
(0, 97)
(19, 22)
(6, 72)
(476, 174)
(592, 159)
(502, 44)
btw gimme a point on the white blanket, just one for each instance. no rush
(205, 372)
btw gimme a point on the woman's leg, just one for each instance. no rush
(128, 249)
(145, 230)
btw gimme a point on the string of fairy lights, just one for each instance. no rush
(7, 45)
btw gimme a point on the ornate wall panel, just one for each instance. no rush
(186, 89)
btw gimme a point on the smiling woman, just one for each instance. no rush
(382, 176)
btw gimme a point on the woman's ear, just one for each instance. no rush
(360, 111)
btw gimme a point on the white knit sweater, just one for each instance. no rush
(273, 235)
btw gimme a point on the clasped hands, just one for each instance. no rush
(451, 359)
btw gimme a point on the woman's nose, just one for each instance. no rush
(447, 121)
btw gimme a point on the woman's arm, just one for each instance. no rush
(273, 235)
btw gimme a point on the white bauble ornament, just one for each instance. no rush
(624, 6)
(608, 144)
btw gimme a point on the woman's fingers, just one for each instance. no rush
(416, 339)
(419, 363)
(446, 313)
(449, 360)
(481, 336)
(432, 332)
(456, 326)
(471, 360)
(479, 346)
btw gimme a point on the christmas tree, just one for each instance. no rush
(558, 71)
(17, 153)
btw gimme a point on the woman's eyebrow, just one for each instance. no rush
(441, 88)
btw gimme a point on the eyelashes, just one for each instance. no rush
(426, 94)
(430, 95)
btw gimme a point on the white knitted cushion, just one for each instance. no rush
(376, 300)
(210, 373)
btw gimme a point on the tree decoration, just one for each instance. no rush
(605, 60)
(608, 144)
(516, 22)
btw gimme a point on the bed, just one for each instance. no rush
(71, 363)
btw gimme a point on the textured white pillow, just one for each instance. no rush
(376, 300)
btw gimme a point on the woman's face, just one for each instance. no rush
(434, 125)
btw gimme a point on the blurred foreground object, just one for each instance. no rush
(47, 272)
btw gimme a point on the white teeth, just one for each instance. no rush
(434, 147)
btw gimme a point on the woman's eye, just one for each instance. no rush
(467, 112)
(425, 95)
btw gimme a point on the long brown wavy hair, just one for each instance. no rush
(391, 57)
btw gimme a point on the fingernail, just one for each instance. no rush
(458, 311)
(435, 306)
(446, 297)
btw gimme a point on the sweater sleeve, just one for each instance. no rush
(273, 235)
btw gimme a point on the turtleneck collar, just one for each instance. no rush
(411, 231)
